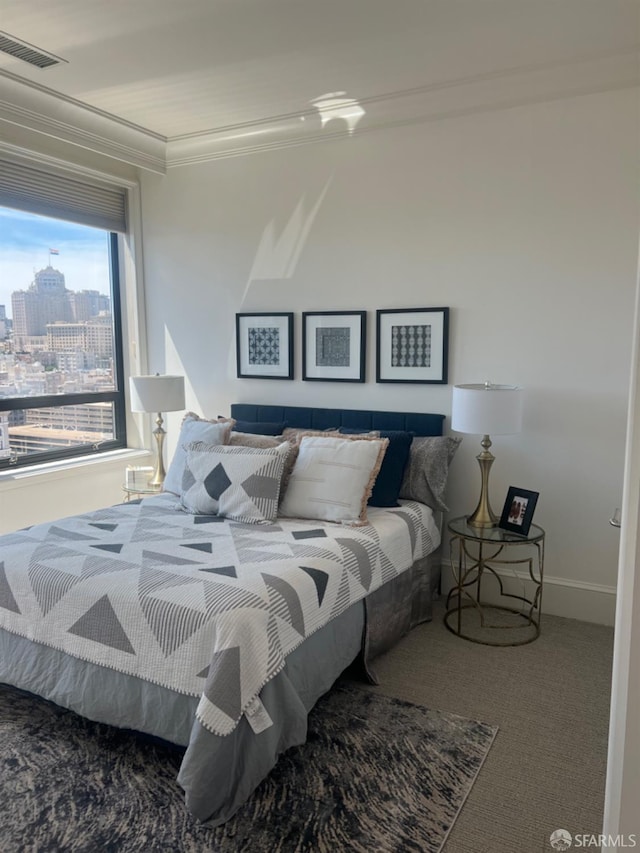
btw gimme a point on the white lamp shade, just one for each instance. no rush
(486, 409)
(157, 393)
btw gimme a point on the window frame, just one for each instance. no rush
(117, 396)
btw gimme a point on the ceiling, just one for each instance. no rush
(176, 68)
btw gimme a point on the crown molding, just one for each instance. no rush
(44, 111)
(482, 93)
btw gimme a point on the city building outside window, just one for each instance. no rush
(61, 377)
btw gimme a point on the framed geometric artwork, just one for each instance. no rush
(412, 345)
(264, 346)
(334, 345)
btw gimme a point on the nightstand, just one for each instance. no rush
(491, 555)
(132, 492)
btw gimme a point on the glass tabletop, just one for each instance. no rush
(460, 527)
(142, 490)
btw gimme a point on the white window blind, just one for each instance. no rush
(75, 199)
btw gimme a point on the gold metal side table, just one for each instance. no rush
(506, 619)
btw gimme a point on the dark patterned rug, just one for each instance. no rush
(377, 774)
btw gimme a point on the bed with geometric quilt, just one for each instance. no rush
(182, 616)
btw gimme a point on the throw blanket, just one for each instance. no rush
(202, 605)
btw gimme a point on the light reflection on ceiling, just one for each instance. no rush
(336, 105)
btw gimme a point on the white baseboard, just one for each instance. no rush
(589, 602)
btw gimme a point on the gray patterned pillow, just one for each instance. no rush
(241, 483)
(194, 428)
(425, 477)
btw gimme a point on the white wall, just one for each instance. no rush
(61, 489)
(523, 221)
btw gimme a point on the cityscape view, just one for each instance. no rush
(56, 336)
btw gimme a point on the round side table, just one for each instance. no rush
(132, 492)
(503, 618)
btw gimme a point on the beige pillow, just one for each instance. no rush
(333, 478)
(249, 439)
(296, 433)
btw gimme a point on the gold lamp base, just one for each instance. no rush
(157, 478)
(483, 515)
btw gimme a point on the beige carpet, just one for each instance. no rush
(550, 700)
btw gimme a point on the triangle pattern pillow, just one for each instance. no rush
(240, 483)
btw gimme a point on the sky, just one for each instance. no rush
(25, 240)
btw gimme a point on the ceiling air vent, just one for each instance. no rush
(27, 52)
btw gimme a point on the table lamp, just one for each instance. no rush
(486, 410)
(157, 394)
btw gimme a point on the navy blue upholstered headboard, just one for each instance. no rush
(316, 418)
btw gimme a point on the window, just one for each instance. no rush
(61, 373)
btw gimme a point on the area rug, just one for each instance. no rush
(376, 774)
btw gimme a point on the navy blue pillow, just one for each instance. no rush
(260, 427)
(389, 480)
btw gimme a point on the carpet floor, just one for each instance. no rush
(377, 773)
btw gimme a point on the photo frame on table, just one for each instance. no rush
(334, 346)
(264, 345)
(518, 510)
(412, 345)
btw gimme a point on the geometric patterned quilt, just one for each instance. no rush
(196, 603)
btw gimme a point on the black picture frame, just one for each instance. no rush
(518, 510)
(334, 345)
(264, 345)
(412, 345)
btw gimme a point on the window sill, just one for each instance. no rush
(57, 470)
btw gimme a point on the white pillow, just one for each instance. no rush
(193, 429)
(332, 478)
(241, 483)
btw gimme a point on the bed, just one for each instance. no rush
(216, 635)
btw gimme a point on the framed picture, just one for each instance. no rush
(518, 510)
(334, 345)
(412, 345)
(264, 346)
(138, 476)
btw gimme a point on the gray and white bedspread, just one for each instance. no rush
(201, 605)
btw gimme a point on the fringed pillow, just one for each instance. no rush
(333, 478)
